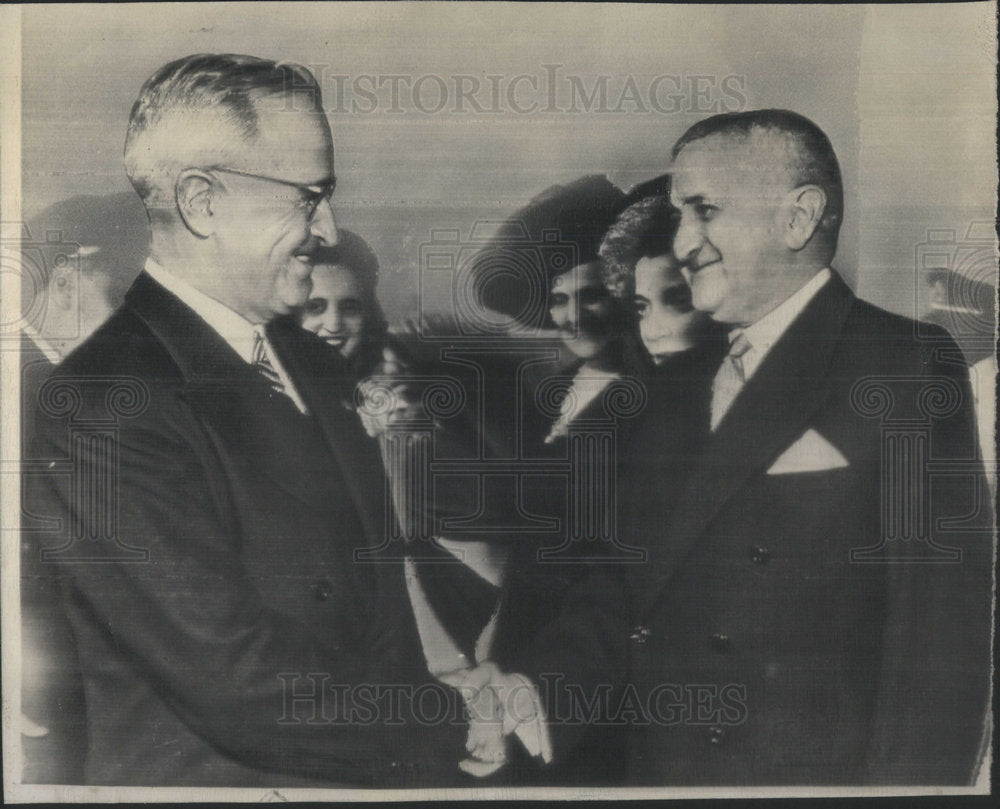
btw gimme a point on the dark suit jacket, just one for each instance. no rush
(767, 644)
(209, 532)
(564, 597)
(51, 687)
(567, 627)
(523, 502)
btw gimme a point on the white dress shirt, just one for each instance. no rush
(769, 329)
(232, 327)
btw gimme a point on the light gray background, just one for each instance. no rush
(906, 93)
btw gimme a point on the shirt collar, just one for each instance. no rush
(236, 330)
(768, 330)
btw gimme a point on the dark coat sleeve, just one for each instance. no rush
(934, 681)
(191, 623)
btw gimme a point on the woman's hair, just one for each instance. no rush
(644, 229)
(558, 229)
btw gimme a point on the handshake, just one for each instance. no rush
(499, 705)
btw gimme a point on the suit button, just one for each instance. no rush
(760, 555)
(322, 590)
(640, 634)
(720, 642)
(716, 734)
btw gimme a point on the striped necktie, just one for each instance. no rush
(730, 378)
(261, 361)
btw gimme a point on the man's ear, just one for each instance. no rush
(802, 212)
(195, 196)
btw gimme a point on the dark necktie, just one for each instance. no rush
(261, 361)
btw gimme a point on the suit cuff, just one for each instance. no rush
(534, 734)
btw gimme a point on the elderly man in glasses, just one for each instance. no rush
(214, 504)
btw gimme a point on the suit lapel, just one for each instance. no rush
(219, 385)
(771, 411)
(325, 383)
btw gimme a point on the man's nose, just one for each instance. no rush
(324, 225)
(687, 241)
(333, 319)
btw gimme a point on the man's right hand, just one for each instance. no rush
(499, 704)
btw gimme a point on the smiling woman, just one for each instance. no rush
(343, 308)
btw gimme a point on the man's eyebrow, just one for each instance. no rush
(695, 199)
(639, 297)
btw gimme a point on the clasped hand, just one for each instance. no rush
(498, 705)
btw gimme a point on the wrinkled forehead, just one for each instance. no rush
(731, 165)
(582, 276)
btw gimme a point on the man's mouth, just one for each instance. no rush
(691, 270)
(692, 273)
(307, 253)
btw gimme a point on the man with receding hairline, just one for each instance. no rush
(223, 621)
(803, 572)
(814, 607)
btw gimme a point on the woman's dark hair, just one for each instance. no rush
(643, 230)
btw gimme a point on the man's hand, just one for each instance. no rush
(499, 704)
(31, 729)
(486, 744)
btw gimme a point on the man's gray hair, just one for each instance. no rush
(809, 154)
(201, 111)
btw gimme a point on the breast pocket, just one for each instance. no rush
(815, 517)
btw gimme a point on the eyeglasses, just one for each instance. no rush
(312, 195)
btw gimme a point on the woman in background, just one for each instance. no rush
(343, 308)
(641, 270)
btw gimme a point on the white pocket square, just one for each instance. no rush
(811, 453)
